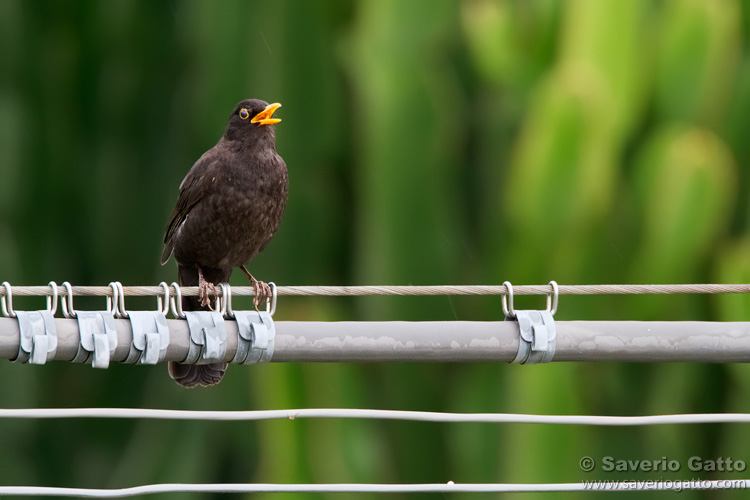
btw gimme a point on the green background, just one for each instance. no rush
(428, 142)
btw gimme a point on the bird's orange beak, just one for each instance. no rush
(264, 117)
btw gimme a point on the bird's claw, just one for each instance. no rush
(206, 289)
(262, 292)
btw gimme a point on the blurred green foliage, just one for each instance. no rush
(428, 142)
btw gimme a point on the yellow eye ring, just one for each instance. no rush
(244, 114)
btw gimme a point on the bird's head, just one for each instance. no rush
(251, 118)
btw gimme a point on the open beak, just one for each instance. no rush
(264, 117)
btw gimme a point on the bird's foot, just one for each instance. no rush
(262, 292)
(206, 289)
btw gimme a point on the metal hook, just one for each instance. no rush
(123, 312)
(52, 301)
(552, 298)
(176, 301)
(509, 312)
(162, 305)
(112, 306)
(120, 300)
(226, 300)
(271, 302)
(7, 301)
(67, 304)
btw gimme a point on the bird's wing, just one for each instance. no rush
(191, 192)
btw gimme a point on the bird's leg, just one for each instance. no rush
(205, 290)
(262, 290)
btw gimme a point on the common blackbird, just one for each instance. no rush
(230, 205)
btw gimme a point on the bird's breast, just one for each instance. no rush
(236, 219)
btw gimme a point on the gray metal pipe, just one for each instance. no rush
(445, 341)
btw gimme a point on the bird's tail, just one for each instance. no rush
(198, 375)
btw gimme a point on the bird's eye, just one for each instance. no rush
(244, 114)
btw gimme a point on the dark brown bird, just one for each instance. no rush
(230, 206)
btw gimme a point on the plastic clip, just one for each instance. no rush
(150, 337)
(97, 330)
(208, 337)
(256, 337)
(38, 332)
(98, 336)
(38, 337)
(537, 328)
(256, 330)
(150, 330)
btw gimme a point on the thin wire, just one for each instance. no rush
(450, 487)
(371, 488)
(419, 416)
(106, 291)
